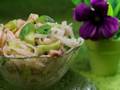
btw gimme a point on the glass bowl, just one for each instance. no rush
(35, 72)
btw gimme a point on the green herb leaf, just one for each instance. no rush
(45, 48)
(27, 33)
(45, 29)
(44, 19)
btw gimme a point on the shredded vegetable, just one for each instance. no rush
(37, 36)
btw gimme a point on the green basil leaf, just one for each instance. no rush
(27, 33)
(44, 19)
(45, 29)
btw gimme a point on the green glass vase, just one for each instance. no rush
(104, 56)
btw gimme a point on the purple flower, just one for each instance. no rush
(96, 23)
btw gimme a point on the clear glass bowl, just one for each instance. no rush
(35, 72)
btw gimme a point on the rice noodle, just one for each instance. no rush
(40, 36)
(10, 35)
(23, 49)
(5, 52)
(1, 27)
(67, 28)
(68, 42)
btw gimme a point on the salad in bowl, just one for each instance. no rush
(35, 53)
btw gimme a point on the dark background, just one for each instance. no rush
(58, 9)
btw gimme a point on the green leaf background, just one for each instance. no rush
(76, 2)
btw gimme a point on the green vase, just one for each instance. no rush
(104, 56)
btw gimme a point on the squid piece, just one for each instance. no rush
(20, 23)
(55, 53)
(33, 17)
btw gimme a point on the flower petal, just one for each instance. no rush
(106, 30)
(113, 22)
(81, 12)
(100, 6)
(110, 26)
(87, 30)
